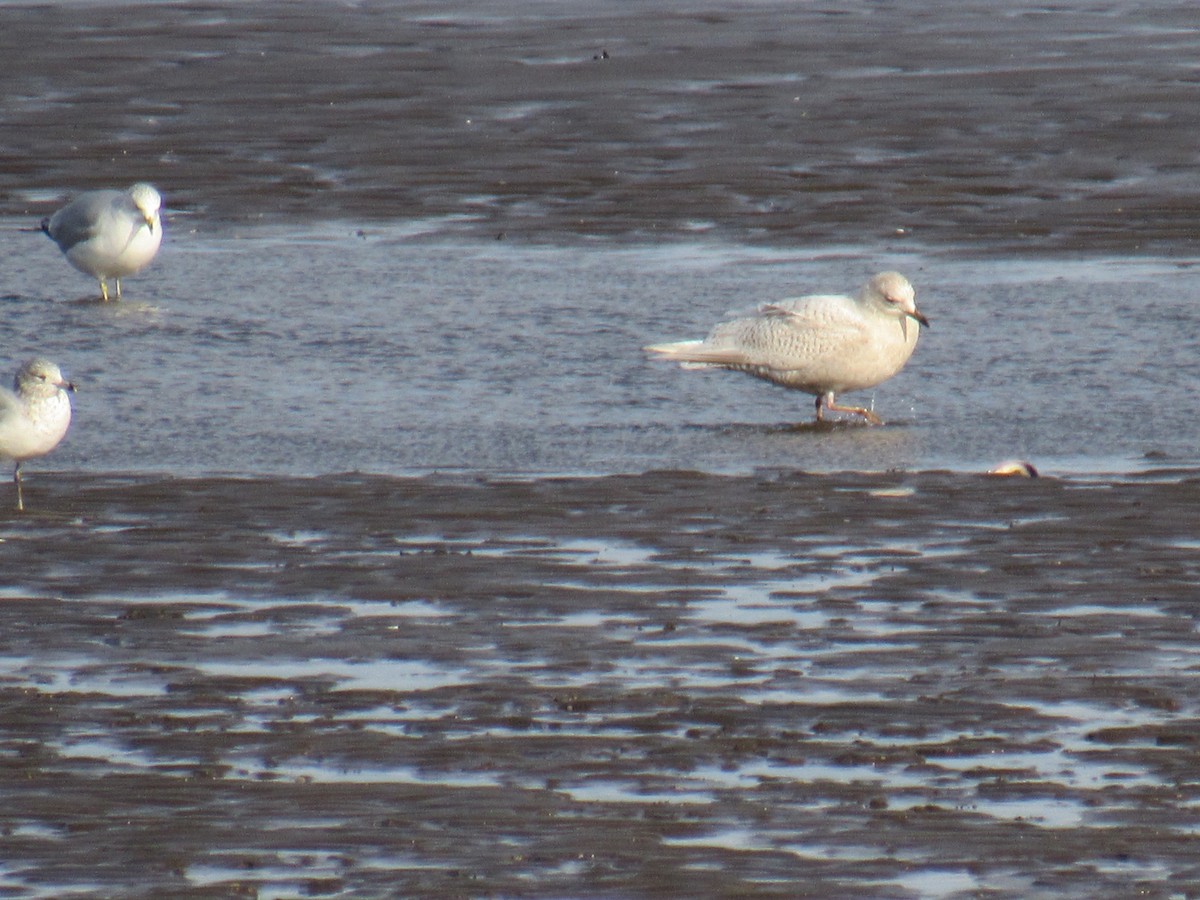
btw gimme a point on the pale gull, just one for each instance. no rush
(34, 415)
(824, 344)
(109, 234)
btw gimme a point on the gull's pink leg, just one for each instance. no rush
(827, 402)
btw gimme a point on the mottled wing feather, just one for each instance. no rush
(792, 335)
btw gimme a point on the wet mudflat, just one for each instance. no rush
(1039, 127)
(417, 238)
(891, 685)
(337, 175)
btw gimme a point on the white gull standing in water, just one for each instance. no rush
(823, 344)
(34, 415)
(109, 234)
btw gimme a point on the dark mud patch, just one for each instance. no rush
(1065, 127)
(781, 685)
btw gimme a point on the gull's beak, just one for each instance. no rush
(68, 386)
(915, 314)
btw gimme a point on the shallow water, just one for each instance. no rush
(389, 354)
(416, 238)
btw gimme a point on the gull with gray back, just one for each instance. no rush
(109, 234)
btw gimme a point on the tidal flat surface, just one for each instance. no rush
(1034, 127)
(380, 562)
(405, 238)
(841, 686)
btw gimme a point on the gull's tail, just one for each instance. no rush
(675, 350)
(698, 354)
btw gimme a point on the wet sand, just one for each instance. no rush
(1036, 128)
(891, 685)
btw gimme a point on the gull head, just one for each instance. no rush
(148, 201)
(41, 377)
(894, 292)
